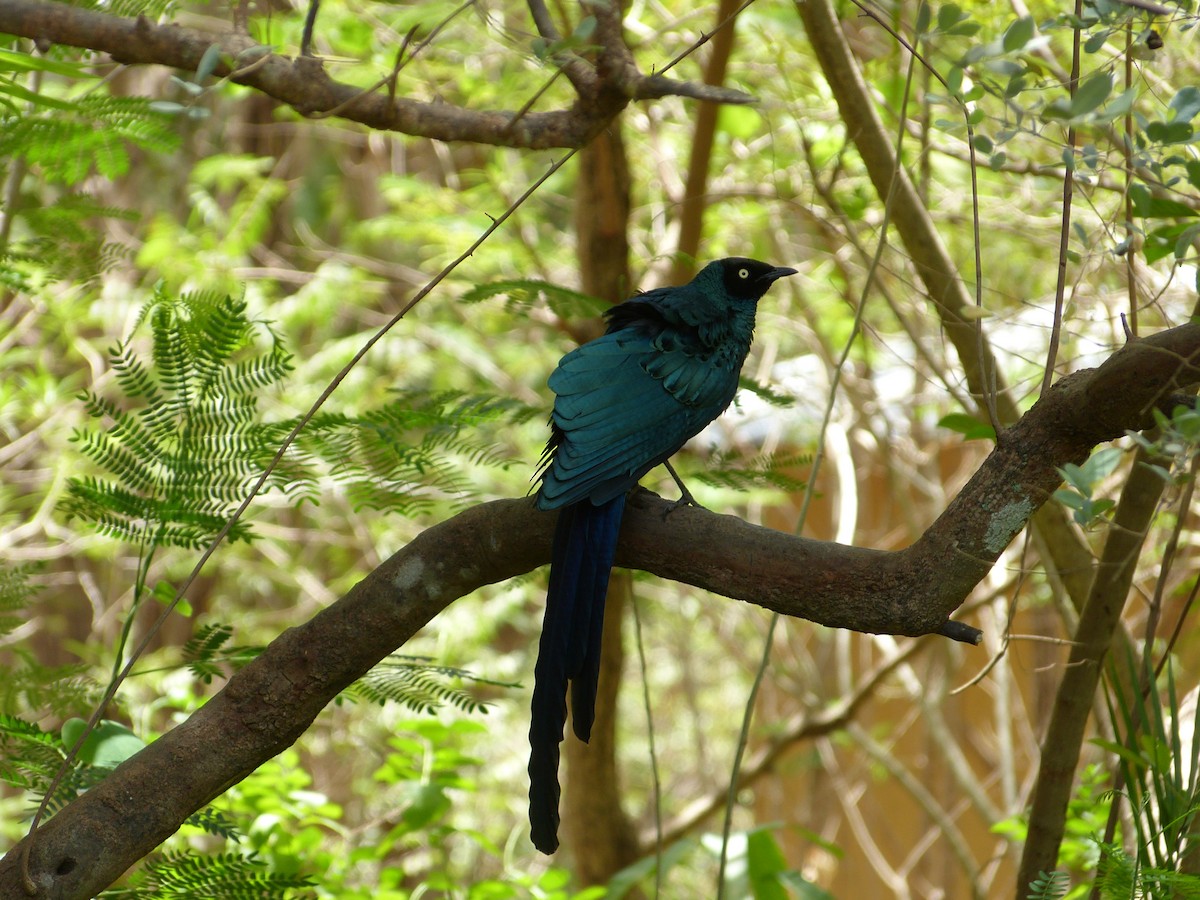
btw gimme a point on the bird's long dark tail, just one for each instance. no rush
(585, 541)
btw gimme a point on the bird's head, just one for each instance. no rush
(748, 279)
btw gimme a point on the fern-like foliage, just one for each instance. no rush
(67, 140)
(15, 593)
(1122, 877)
(725, 469)
(25, 684)
(525, 293)
(412, 681)
(61, 240)
(418, 684)
(1160, 762)
(224, 875)
(213, 821)
(152, 9)
(208, 654)
(1049, 886)
(766, 393)
(401, 457)
(181, 446)
(31, 757)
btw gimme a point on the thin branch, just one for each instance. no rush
(930, 257)
(1068, 192)
(578, 70)
(695, 200)
(541, 19)
(804, 726)
(705, 37)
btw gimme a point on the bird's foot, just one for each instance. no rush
(685, 496)
(686, 499)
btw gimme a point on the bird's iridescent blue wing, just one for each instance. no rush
(625, 403)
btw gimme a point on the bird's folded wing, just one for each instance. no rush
(626, 402)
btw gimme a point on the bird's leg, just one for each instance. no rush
(685, 496)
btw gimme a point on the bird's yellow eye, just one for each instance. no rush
(743, 274)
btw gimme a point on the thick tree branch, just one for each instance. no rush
(304, 85)
(269, 704)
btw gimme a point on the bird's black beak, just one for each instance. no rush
(776, 273)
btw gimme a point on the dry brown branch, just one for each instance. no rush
(303, 83)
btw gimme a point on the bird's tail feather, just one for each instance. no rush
(585, 542)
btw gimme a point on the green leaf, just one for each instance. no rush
(109, 744)
(208, 62)
(924, 17)
(1192, 167)
(948, 16)
(1101, 464)
(1186, 103)
(585, 28)
(1184, 243)
(24, 62)
(1070, 499)
(1018, 34)
(968, 426)
(1148, 206)
(1096, 41)
(429, 802)
(17, 92)
(1091, 94)
(1122, 104)
(765, 865)
(954, 81)
(1169, 132)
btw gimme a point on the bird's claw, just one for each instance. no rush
(685, 500)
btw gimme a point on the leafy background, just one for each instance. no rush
(186, 264)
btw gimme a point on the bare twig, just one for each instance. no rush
(1064, 237)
